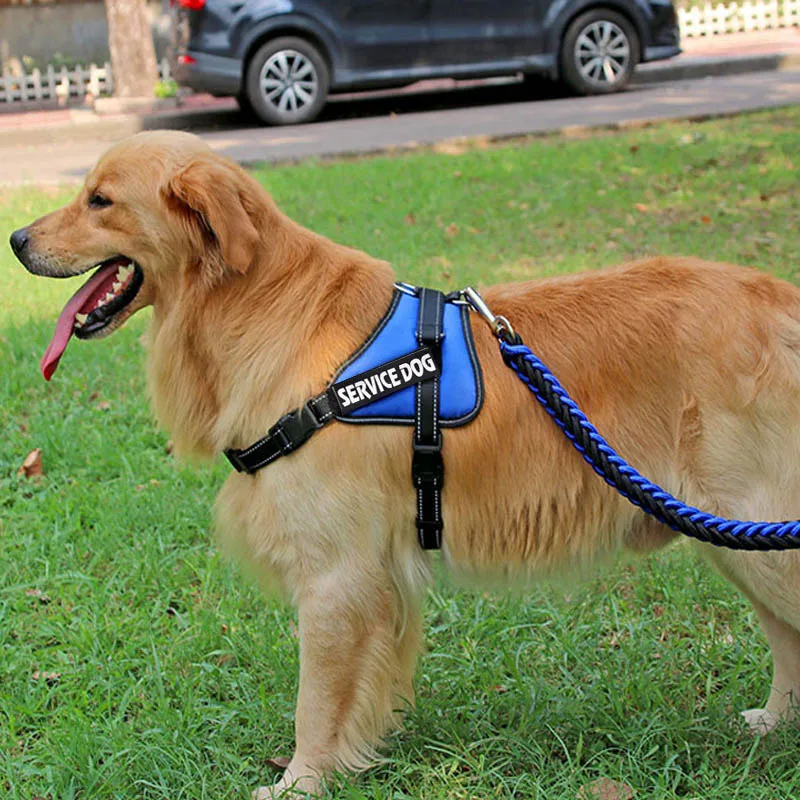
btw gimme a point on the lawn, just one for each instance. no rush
(135, 662)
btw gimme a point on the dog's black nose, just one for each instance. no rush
(19, 240)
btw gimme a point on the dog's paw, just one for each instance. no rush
(273, 792)
(760, 721)
(268, 793)
(289, 787)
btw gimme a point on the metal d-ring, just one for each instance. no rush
(407, 288)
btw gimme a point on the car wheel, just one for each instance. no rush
(599, 51)
(287, 82)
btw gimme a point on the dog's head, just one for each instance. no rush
(157, 211)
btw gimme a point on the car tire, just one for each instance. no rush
(287, 81)
(599, 52)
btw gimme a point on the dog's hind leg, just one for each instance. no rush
(784, 696)
(358, 649)
(771, 581)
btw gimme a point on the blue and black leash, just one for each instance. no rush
(610, 466)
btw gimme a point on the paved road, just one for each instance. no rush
(496, 112)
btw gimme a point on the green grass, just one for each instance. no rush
(177, 679)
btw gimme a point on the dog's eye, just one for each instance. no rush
(98, 200)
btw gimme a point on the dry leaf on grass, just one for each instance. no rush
(39, 595)
(103, 405)
(49, 677)
(32, 465)
(605, 789)
(279, 762)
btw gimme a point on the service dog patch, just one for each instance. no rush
(383, 380)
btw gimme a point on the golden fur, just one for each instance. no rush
(690, 369)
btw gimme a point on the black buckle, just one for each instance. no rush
(310, 416)
(427, 463)
(287, 434)
(296, 427)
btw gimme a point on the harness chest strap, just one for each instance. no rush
(285, 436)
(427, 465)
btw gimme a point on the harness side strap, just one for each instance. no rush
(286, 435)
(427, 466)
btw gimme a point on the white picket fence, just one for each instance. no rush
(62, 84)
(712, 20)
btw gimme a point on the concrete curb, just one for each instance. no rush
(85, 125)
(713, 66)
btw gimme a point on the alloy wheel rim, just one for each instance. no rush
(602, 53)
(289, 82)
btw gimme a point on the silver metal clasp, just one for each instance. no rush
(499, 325)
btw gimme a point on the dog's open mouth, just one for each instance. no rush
(112, 287)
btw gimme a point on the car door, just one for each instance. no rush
(379, 35)
(483, 31)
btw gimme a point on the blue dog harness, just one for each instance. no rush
(418, 367)
(397, 334)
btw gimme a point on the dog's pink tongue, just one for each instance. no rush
(66, 320)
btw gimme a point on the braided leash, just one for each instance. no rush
(648, 496)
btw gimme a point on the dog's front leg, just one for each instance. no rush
(357, 655)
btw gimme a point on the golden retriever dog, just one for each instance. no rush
(690, 369)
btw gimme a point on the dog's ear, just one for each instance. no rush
(221, 196)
